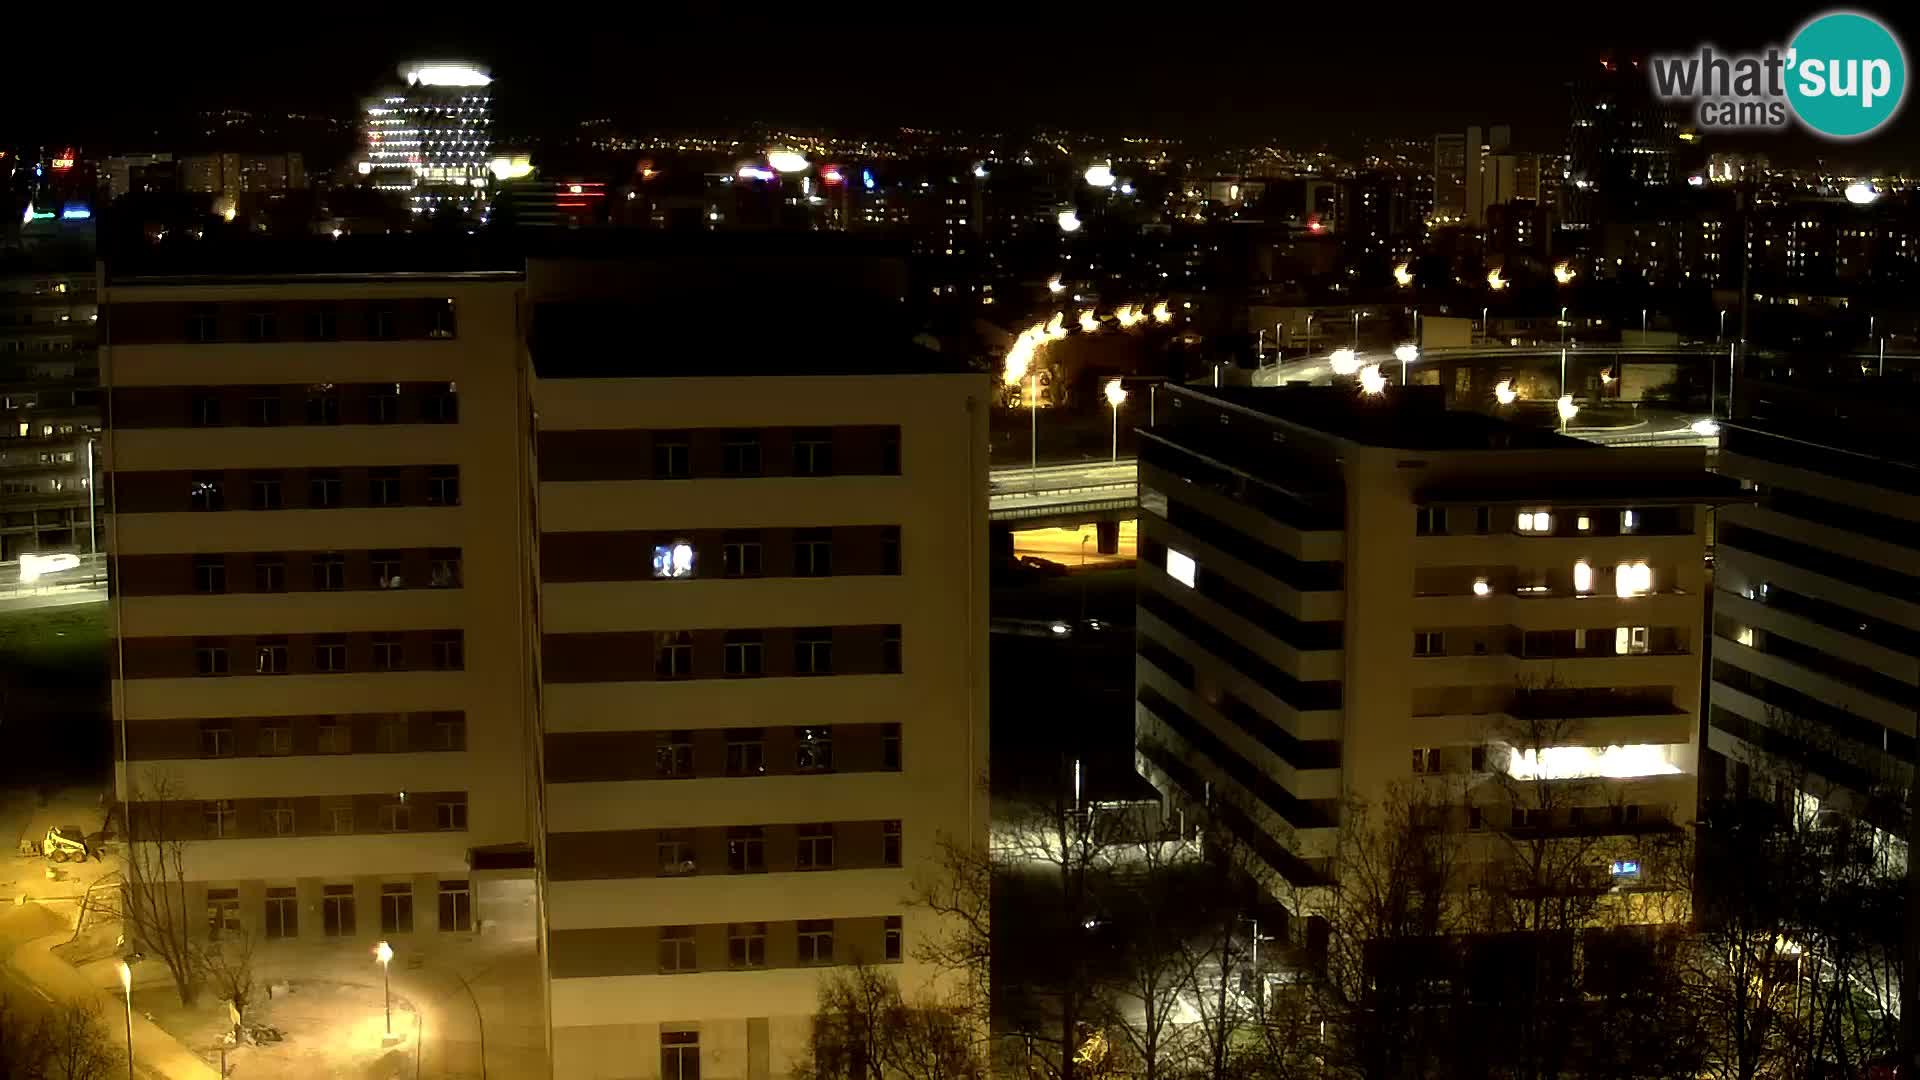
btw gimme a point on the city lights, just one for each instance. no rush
(1068, 220)
(447, 74)
(1592, 762)
(1100, 175)
(1861, 193)
(787, 161)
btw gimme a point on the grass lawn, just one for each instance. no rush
(55, 646)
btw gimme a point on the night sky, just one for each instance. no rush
(1322, 73)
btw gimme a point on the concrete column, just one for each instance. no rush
(1107, 537)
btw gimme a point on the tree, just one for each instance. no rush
(154, 904)
(76, 1043)
(863, 1029)
(1151, 909)
(228, 964)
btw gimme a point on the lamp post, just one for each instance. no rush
(1486, 332)
(93, 499)
(1356, 331)
(384, 953)
(126, 984)
(1406, 354)
(1721, 336)
(1309, 331)
(1563, 329)
(1643, 327)
(1033, 407)
(1115, 395)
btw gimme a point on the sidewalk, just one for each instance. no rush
(156, 1054)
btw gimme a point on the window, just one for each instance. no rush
(679, 1055)
(270, 656)
(816, 941)
(266, 492)
(261, 326)
(813, 552)
(441, 405)
(675, 848)
(673, 654)
(813, 453)
(390, 734)
(744, 652)
(746, 752)
(276, 739)
(329, 572)
(207, 491)
(221, 818)
(1483, 519)
(396, 817)
(223, 913)
(336, 910)
(1181, 567)
(441, 323)
(740, 454)
(673, 754)
(813, 651)
(1582, 577)
(746, 849)
(381, 325)
(450, 731)
(396, 908)
(670, 456)
(740, 558)
(263, 408)
(456, 907)
(277, 819)
(676, 948)
(449, 650)
(323, 324)
(323, 404)
(1429, 643)
(892, 941)
(1583, 523)
(890, 550)
(451, 815)
(210, 659)
(1632, 579)
(890, 453)
(890, 649)
(813, 749)
(210, 573)
(443, 485)
(384, 568)
(1430, 521)
(890, 747)
(1426, 760)
(1630, 641)
(673, 559)
(383, 487)
(443, 569)
(330, 653)
(815, 851)
(1629, 521)
(747, 945)
(206, 410)
(335, 738)
(1533, 521)
(340, 820)
(890, 843)
(201, 328)
(324, 490)
(216, 738)
(387, 652)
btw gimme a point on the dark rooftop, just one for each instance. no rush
(1403, 418)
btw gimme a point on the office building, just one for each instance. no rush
(1340, 596)
(762, 605)
(1621, 144)
(49, 388)
(1456, 178)
(1816, 603)
(431, 140)
(230, 176)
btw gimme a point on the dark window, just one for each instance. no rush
(815, 851)
(1483, 520)
(330, 653)
(262, 326)
(443, 569)
(676, 852)
(206, 410)
(890, 453)
(1430, 521)
(443, 485)
(383, 487)
(679, 1055)
(201, 327)
(381, 324)
(816, 941)
(813, 552)
(673, 754)
(222, 819)
(813, 651)
(335, 738)
(207, 491)
(746, 752)
(813, 749)
(451, 816)
(396, 817)
(263, 408)
(276, 818)
(329, 572)
(744, 652)
(270, 656)
(673, 654)
(676, 948)
(813, 453)
(223, 910)
(383, 404)
(266, 492)
(740, 454)
(441, 325)
(456, 897)
(384, 566)
(893, 936)
(890, 650)
(390, 734)
(269, 574)
(210, 573)
(216, 738)
(387, 652)
(1429, 643)
(890, 843)
(449, 650)
(324, 490)
(441, 405)
(450, 732)
(740, 558)
(323, 324)
(210, 659)
(670, 456)
(396, 908)
(890, 550)
(746, 849)
(336, 910)
(323, 404)
(890, 746)
(747, 945)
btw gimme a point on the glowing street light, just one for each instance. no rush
(1504, 393)
(787, 161)
(1089, 324)
(1116, 394)
(1069, 221)
(1402, 275)
(1406, 354)
(383, 952)
(1861, 193)
(1161, 314)
(126, 986)
(1568, 410)
(1055, 286)
(1706, 429)
(1343, 361)
(1372, 382)
(1127, 315)
(1564, 273)
(1099, 174)
(1495, 281)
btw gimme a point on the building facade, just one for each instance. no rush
(49, 386)
(1348, 598)
(431, 140)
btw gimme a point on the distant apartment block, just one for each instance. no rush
(49, 390)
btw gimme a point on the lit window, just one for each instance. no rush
(1582, 575)
(1534, 521)
(673, 560)
(1481, 588)
(1180, 567)
(1632, 579)
(1583, 523)
(1630, 641)
(1744, 635)
(1629, 521)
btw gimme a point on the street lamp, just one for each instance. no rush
(1406, 354)
(1115, 395)
(1343, 361)
(1723, 327)
(1309, 331)
(126, 984)
(1356, 331)
(384, 953)
(1563, 327)
(1484, 331)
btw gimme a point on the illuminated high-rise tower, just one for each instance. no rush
(432, 137)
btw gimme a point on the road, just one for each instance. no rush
(1018, 489)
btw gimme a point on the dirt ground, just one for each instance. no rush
(331, 1030)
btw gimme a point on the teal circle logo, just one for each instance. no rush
(1847, 75)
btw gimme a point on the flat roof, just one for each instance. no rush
(1403, 418)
